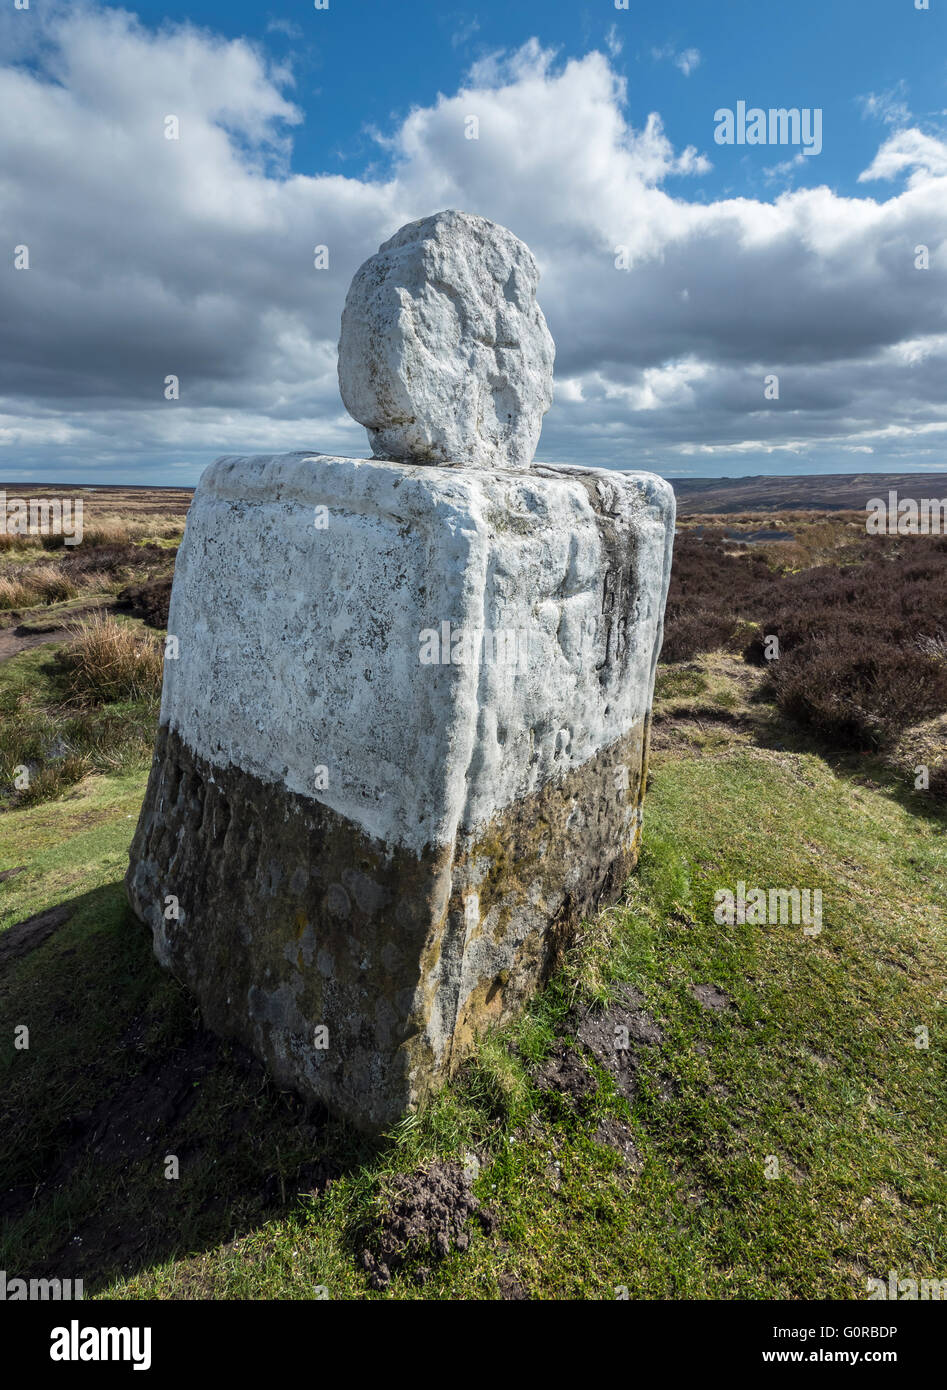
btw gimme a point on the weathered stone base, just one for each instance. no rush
(289, 916)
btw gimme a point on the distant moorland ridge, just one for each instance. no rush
(811, 491)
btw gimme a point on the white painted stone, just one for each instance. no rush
(301, 646)
(444, 354)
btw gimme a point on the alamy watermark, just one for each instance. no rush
(770, 907)
(77, 1343)
(906, 516)
(41, 516)
(776, 126)
(907, 1288)
(468, 646)
(38, 1290)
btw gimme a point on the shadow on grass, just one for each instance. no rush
(867, 769)
(118, 1075)
(767, 727)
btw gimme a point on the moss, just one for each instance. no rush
(290, 917)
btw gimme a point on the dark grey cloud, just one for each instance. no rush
(194, 257)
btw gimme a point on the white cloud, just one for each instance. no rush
(925, 155)
(889, 106)
(466, 28)
(784, 172)
(195, 257)
(286, 27)
(685, 60)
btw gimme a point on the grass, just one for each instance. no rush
(41, 584)
(76, 845)
(679, 681)
(814, 1063)
(37, 589)
(106, 660)
(790, 1141)
(106, 530)
(60, 719)
(857, 626)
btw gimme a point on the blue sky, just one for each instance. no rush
(302, 126)
(829, 55)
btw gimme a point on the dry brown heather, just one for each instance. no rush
(644, 1172)
(111, 515)
(861, 623)
(129, 539)
(862, 620)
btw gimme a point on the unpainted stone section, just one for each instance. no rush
(290, 918)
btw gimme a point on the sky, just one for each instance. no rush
(719, 309)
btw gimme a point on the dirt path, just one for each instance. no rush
(35, 633)
(24, 937)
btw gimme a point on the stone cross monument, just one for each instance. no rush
(402, 750)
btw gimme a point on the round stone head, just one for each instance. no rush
(445, 356)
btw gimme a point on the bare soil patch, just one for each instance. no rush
(427, 1217)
